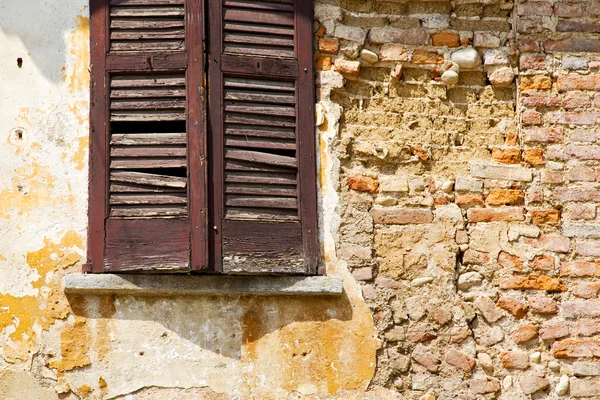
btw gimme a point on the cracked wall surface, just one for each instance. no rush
(458, 169)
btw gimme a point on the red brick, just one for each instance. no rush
(329, 46)
(534, 156)
(530, 117)
(459, 334)
(587, 327)
(321, 32)
(582, 152)
(524, 333)
(537, 82)
(507, 156)
(469, 200)
(459, 359)
(496, 214)
(577, 26)
(552, 330)
(572, 348)
(530, 61)
(578, 82)
(348, 68)
(425, 358)
(557, 243)
(505, 197)
(543, 305)
(542, 217)
(543, 135)
(580, 269)
(543, 8)
(362, 183)
(533, 282)
(577, 100)
(471, 257)
(540, 100)
(513, 306)
(510, 261)
(585, 290)
(565, 10)
(402, 216)
(515, 359)
(420, 333)
(582, 174)
(449, 39)
(582, 211)
(575, 45)
(543, 263)
(528, 45)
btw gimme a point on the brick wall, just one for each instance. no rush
(468, 161)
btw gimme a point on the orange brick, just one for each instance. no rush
(538, 82)
(543, 263)
(541, 217)
(534, 156)
(495, 214)
(363, 183)
(329, 46)
(510, 261)
(323, 63)
(573, 348)
(507, 156)
(345, 67)
(505, 197)
(469, 200)
(534, 282)
(427, 57)
(321, 31)
(449, 39)
(524, 333)
(513, 306)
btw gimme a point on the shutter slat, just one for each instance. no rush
(148, 212)
(146, 139)
(251, 143)
(265, 189)
(256, 201)
(146, 163)
(261, 158)
(141, 178)
(261, 5)
(260, 109)
(271, 30)
(260, 131)
(148, 199)
(148, 151)
(131, 188)
(273, 178)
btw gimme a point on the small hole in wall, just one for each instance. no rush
(20, 62)
(141, 353)
(19, 134)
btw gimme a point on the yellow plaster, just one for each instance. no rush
(79, 158)
(26, 315)
(80, 110)
(79, 47)
(323, 166)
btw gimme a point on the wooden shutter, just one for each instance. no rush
(262, 131)
(147, 197)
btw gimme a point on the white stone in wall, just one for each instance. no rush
(466, 58)
(369, 56)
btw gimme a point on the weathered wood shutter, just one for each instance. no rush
(148, 203)
(262, 131)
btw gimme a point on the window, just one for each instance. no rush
(202, 137)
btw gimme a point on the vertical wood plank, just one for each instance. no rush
(216, 133)
(98, 182)
(306, 134)
(196, 128)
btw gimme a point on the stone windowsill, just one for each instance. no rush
(198, 285)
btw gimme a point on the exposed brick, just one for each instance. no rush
(530, 117)
(582, 174)
(449, 39)
(543, 8)
(588, 248)
(542, 217)
(427, 57)
(576, 194)
(503, 172)
(587, 327)
(469, 200)
(552, 330)
(393, 52)
(577, 100)
(515, 359)
(496, 214)
(543, 135)
(510, 261)
(401, 216)
(534, 157)
(577, 26)
(329, 46)
(474, 257)
(420, 333)
(528, 45)
(540, 100)
(484, 385)
(581, 230)
(543, 263)
(488, 309)
(537, 82)
(321, 32)
(543, 305)
(560, 244)
(582, 152)
(524, 333)
(459, 334)
(573, 348)
(533, 383)
(585, 290)
(578, 82)
(507, 156)
(389, 34)
(363, 183)
(348, 68)
(529, 61)
(459, 359)
(421, 355)
(323, 63)
(505, 197)
(574, 45)
(584, 387)
(581, 308)
(533, 282)
(516, 308)
(566, 10)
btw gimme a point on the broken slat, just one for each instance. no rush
(262, 190)
(262, 158)
(266, 29)
(143, 163)
(259, 50)
(241, 177)
(177, 33)
(261, 202)
(124, 116)
(131, 188)
(263, 120)
(259, 17)
(148, 199)
(146, 24)
(254, 39)
(148, 212)
(262, 132)
(242, 166)
(148, 46)
(142, 178)
(148, 11)
(252, 143)
(260, 96)
(260, 109)
(147, 93)
(261, 214)
(146, 2)
(254, 84)
(148, 151)
(128, 81)
(272, 6)
(133, 104)
(147, 139)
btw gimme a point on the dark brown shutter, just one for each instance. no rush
(262, 130)
(147, 197)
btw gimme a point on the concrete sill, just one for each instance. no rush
(199, 285)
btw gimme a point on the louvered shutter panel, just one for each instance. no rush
(262, 127)
(147, 202)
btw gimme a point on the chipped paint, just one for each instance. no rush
(79, 46)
